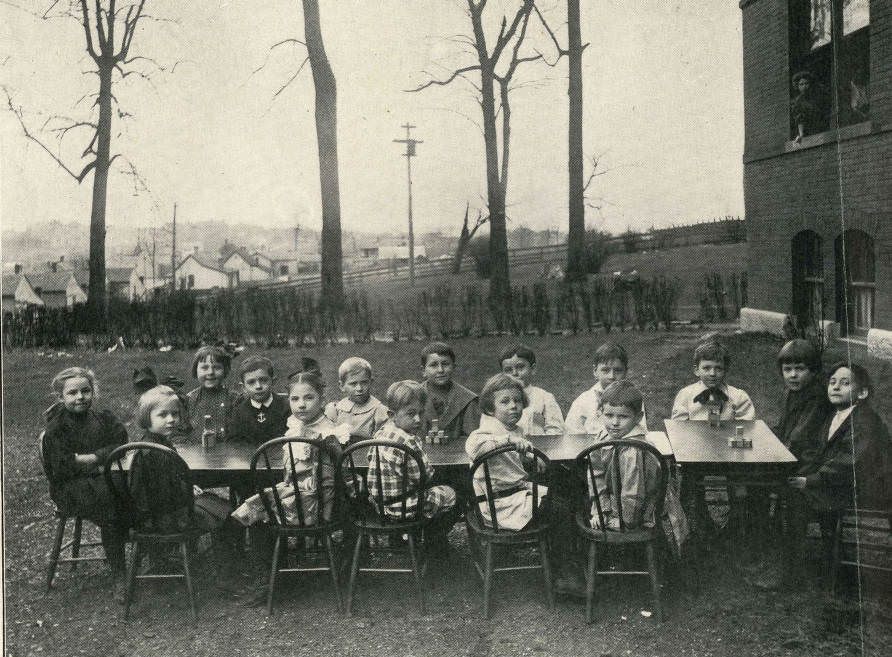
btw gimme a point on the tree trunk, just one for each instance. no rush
(576, 228)
(463, 239)
(96, 298)
(326, 135)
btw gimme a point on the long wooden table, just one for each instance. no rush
(228, 463)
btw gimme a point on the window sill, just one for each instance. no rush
(831, 136)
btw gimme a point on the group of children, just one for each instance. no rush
(841, 444)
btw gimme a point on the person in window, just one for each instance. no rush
(859, 99)
(805, 112)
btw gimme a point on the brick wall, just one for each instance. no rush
(826, 187)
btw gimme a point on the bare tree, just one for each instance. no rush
(496, 66)
(109, 27)
(326, 116)
(465, 238)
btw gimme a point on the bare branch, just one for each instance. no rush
(17, 111)
(293, 77)
(442, 83)
(562, 52)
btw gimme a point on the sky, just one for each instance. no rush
(663, 108)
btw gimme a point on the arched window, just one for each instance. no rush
(808, 278)
(855, 281)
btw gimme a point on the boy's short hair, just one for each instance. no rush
(519, 350)
(144, 379)
(711, 350)
(439, 348)
(494, 384)
(799, 351)
(216, 354)
(623, 393)
(151, 399)
(354, 365)
(403, 393)
(252, 363)
(611, 351)
(860, 377)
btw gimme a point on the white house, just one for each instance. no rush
(249, 268)
(57, 289)
(401, 253)
(18, 293)
(199, 271)
(286, 263)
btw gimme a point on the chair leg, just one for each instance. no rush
(590, 573)
(184, 551)
(416, 573)
(354, 569)
(546, 570)
(54, 553)
(487, 579)
(273, 571)
(333, 567)
(76, 542)
(653, 569)
(835, 557)
(131, 579)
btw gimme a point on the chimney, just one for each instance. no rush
(61, 258)
(195, 248)
(17, 268)
(54, 267)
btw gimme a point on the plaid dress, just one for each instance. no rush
(394, 463)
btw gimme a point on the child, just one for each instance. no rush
(307, 420)
(806, 407)
(76, 443)
(261, 415)
(611, 364)
(450, 403)
(852, 465)
(210, 366)
(637, 476)
(361, 411)
(160, 496)
(711, 394)
(502, 401)
(406, 401)
(542, 415)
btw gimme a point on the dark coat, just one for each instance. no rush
(79, 489)
(854, 465)
(460, 416)
(256, 426)
(805, 412)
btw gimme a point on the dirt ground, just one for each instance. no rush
(711, 608)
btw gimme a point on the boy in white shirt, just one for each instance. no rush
(710, 394)
(358, 409)
(611, 364)
(542, 415)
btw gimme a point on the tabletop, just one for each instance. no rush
(235, 458)
(696, 443)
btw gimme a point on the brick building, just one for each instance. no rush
(818, 165)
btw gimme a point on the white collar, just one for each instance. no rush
(259, 405)
(490, 425)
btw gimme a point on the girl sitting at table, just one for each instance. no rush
(76, 442)
(306, 399)
(212, 397)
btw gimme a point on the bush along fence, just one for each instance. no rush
(294, 317)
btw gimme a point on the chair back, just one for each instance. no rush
(355, 479)
(44, 460)
(531, 457)
(152, 485)
(285, 452)
(606, 465)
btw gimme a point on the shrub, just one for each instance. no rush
(630, 240)
(596, 250)
(479, 250)
(541, 309)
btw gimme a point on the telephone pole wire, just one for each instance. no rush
(409, 154)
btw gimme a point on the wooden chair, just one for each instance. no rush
(74, 544)
(483, 534)
(608, 454)
(862, 539)
(151, 526)
(367, 517)
(268, 457)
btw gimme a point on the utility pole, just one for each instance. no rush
(409, 154)
(173, 252)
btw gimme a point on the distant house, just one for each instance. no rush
(144, 280)
(249, 267)
(283, 264)
(117, 281)
(58, 289)
(400, 254)
(18, 293)
(199, 271)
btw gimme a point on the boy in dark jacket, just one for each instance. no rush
(806, 406)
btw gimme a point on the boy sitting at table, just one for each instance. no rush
(358, 409)
(806, 406)
(710, 395)
(611, 364)
(450, 403)
(851, 466)
(260, 415)
(542, 415)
